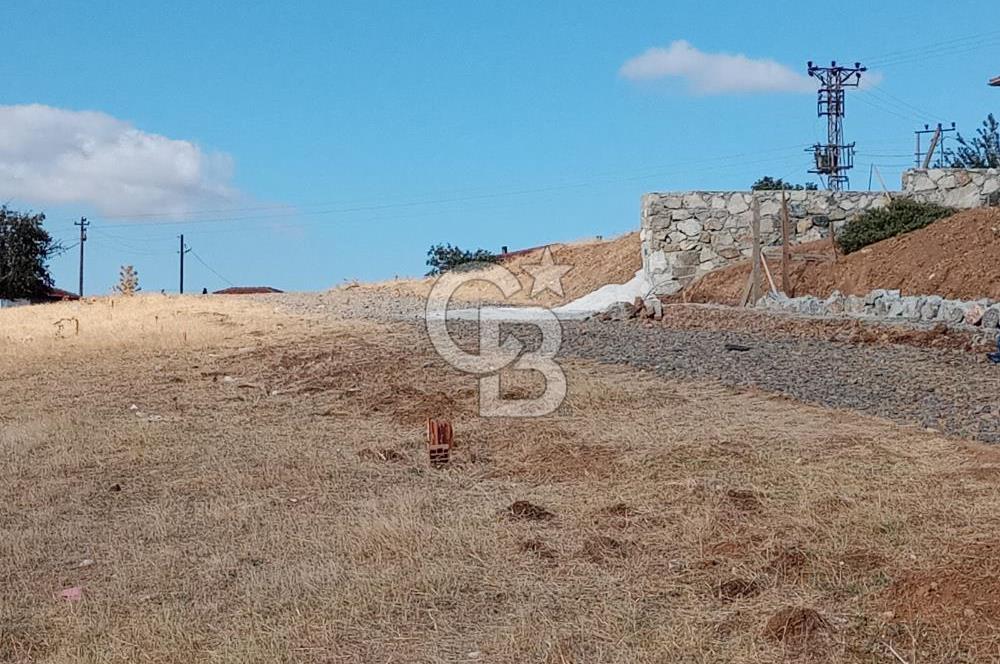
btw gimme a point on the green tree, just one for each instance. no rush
(444, 257)
(981, 151)
(767, 183)
(25, 249)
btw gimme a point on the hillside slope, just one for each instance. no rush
(956, 257)
(595, 263)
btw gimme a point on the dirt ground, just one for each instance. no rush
(956, 257)
(595, 263)
(225, 483)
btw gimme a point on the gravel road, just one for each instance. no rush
(953, 391)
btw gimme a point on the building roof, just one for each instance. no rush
(995, 81)
(247, 290)
(60, 294)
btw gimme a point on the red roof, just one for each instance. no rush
(247, 290)
(60, 294)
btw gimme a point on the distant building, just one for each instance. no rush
(53, 295)
(247, 290)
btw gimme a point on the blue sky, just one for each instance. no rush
(301, 144)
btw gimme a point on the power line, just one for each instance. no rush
(879, 107)
(952, 44)
(295, 210)
(209, 267)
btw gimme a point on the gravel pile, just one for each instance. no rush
(952, 391)
(351, 304)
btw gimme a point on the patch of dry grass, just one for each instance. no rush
(269, 499)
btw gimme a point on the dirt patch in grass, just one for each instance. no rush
(963, 588)
(600, 548)
(744, 500)
(522, 510)
(538, 548)
(798, 628)
(736, 588)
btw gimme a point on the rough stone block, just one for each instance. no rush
(690, 227)
(685, 259)
(991, 318)
(693, 200)
(737, 204)
(729, 253)
(770, 207)
(929, 310)
(974, 313)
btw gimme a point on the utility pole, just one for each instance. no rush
(834, 159)
(83, 223)
(923, 160)
(184, 250)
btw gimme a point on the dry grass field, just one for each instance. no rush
(229, 484)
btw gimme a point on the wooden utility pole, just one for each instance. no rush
(184, 250)
(933, 146)
(83, 223)
(786, 232)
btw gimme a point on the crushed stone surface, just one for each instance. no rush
(950, 388)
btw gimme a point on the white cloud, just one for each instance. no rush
(716, 73)
(55, 156)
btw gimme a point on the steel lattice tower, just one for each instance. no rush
(834, 159)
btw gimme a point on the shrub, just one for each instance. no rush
(767, 183)
(444, 257)
(902, 215)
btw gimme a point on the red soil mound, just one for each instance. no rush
(956, 257)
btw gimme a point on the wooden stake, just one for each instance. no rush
(767, 273)
(786, 250)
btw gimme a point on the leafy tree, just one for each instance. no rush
(25, 248)
(981, 151)
(444, 257)
(128, 281)
(767, 183)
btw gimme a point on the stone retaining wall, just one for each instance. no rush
(954, 187)
(892, 305)
(687, 234)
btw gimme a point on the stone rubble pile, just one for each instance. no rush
(648, 308)
(891, 304)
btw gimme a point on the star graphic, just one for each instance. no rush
(547, 275)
